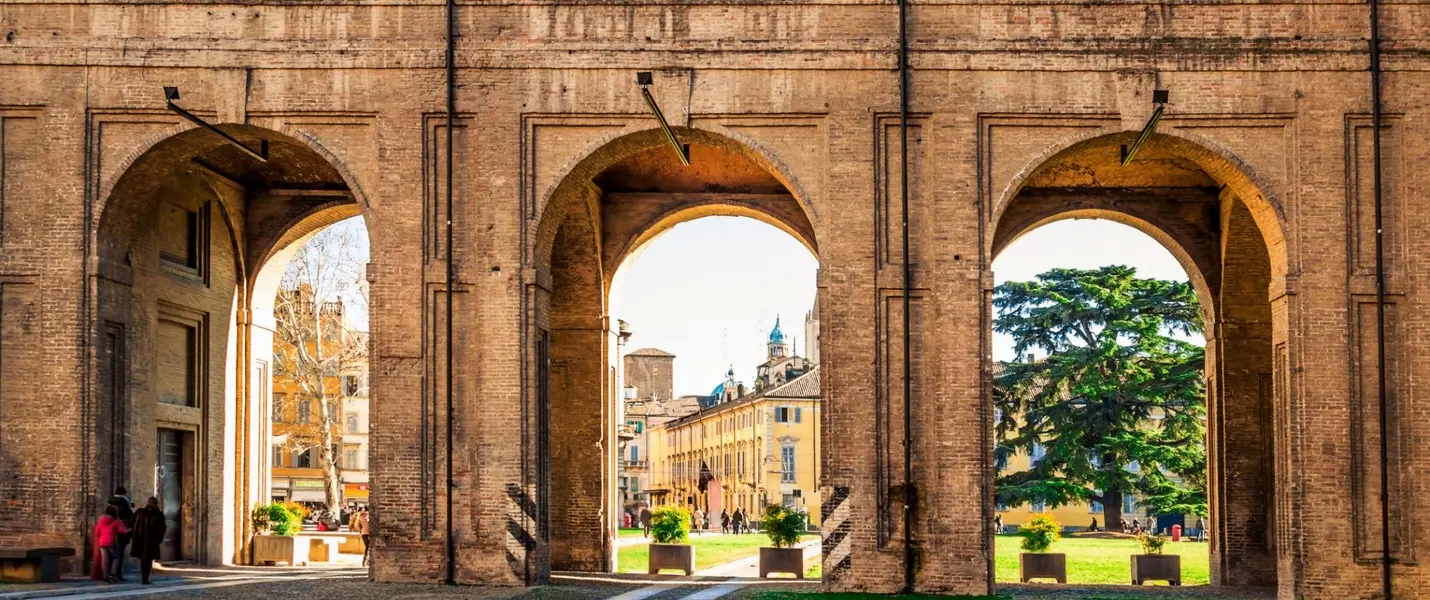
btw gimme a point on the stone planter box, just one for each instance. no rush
(280, 549)
(1156, 567)
(782, 560)
(672, 556)
(1043, 566)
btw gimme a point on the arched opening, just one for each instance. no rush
(188, 235)
(1218, 225)
(608, 208)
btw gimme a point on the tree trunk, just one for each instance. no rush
(331, 489)
(1112, 510)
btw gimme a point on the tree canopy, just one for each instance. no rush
(1107, 386)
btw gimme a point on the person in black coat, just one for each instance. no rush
(149, 529)
(125, 509)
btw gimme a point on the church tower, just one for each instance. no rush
(776, 346)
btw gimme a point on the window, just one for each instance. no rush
(1040, 506)
(352, 385)
(1094, 506)
(796, 414)
(635, 453)
(350, 458)
(279, 400)
(787, 464)
(277, 456)
(303, 459)
(352, 422)
(1129, 504)
(1001, 507)
(635, 485)
(782, 414)
(305, 412)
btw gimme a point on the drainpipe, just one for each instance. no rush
(451, 277)
(908, 280)
(1375, 119)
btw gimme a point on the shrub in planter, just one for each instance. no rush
(1039, 534)
(1152, 564)
(274, 526)
(783, 526)
(670, 527)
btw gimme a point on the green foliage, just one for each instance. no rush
(1151, 544)
(783, 525)
(277, 518)
(1113, 384)
(1040, 533)
(670, 524)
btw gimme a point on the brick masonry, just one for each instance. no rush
(1261, 184)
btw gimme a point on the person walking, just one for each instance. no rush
(724, 521)
(699, 520)
(106, 542)
(364, 528)
(1201, 530)
(645, 520)
(997, 524)
(124, 510)
(738, 520)
(149, 529)
(1093, 527)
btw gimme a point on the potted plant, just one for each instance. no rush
(1152, 564)
(275, 526)
(670, 526)
(1039, 534)
(784, 527)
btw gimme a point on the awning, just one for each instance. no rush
(309, 496)
(355, 491)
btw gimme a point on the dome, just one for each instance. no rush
(777, 336)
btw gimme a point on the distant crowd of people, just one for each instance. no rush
(1198, 531)
(737, 523)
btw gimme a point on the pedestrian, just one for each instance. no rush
(106, 543)
(997, 524)
(1136, 526)
(724, 521)
(1124, 526)
(1201, 530)
(699, 522)
(738, 520)
(149, 529)
(1093, 527)
(364, 528)
(645, 520)
(125, 513)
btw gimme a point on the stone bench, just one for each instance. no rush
(32, 565)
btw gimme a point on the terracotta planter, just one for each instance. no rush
(672, 556)
(782, 560)
(1043, 566)
(1156, 567)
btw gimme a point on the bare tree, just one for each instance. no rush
(322, 290)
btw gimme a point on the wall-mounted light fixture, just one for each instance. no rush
(171, 94)
(645, 79)
(1159, 98)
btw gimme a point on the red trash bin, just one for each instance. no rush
(1176, 533)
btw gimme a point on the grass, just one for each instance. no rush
(710, 550)
(1103, 561)
(630, 532)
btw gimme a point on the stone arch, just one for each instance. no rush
(619, 194)
(178, 248)
(1217, 217)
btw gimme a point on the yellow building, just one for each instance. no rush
(1074, 517)
(297, 419)
(760, 445)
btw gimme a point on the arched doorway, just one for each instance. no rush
(189, 234)
(1209, 213)
(612, 202)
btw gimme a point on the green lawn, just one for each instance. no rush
(630, 532)
(710, 550)
(1103, 560)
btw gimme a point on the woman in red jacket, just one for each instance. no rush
(106, 543)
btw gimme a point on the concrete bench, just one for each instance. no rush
(32, 565)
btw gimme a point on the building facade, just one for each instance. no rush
(649, 401)
(760, 444)
(137, 253)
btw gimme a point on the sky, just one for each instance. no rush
(708, 290)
